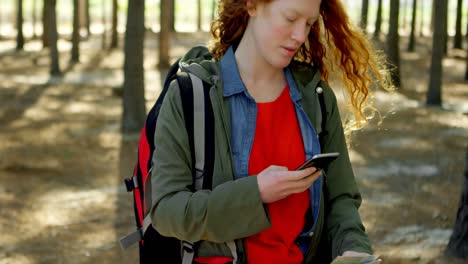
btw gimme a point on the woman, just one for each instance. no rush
(265, 108)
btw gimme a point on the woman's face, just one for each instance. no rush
(280, 28)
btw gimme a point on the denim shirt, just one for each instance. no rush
(243, 109)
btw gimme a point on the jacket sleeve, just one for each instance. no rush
(232, 210)
(344, 226)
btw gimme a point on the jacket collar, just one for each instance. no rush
(232, 82)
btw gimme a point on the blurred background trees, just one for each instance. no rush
(442, 21)
(438, 47)
(393, 42)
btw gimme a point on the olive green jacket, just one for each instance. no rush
(233, 209)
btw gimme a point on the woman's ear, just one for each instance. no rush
(251, 7)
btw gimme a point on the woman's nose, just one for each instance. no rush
(299, 33)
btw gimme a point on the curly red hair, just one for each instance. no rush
(333, 43)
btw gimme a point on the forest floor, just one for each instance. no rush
(63, 158)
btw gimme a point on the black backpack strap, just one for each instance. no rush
(324, 246)
(323, 114)
(209, 139)
(199, 122)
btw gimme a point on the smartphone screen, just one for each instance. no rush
(319, 161)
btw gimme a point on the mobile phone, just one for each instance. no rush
(319, 161)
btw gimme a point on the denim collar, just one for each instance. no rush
(232, 82)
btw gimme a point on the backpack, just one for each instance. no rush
(199, 122)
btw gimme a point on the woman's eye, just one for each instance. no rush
(310, 23)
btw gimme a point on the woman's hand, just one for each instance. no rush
(276, 182)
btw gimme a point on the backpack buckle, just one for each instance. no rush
(131, 183)
(188, 247)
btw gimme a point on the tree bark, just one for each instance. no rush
(134, 109)
(457, 41)
(115, 34)
(466, 67)
(458, 243)
(19, 26)
(364, 12)
(34, 18)
(199, 15)
(88, 18)
(172, 16)
(446, 36)
(164, 34)
(75, 50)
(45, 24)
(412, 40)
(378, 20)
(53, 34)
(393, 40)
(434, 96)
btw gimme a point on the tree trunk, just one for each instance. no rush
(53, 34)
(466, 71)
(83, 6)
(164, 34)
(134, 109)
(457, 41)
(104, 23)
(393, 40)
(378, 20)
(34, 18)
(458, 243)
(364, 12)
(440, 28)
(88, 18)
(446, 36)
(172, 16)
(19, 26)
(75, 50)
(45, 24)
(412, 40)
(199, 15)
(115, 34)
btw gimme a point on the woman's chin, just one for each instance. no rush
(280, 64)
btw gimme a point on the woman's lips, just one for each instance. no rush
(289, 50)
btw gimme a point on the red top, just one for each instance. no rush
(278, 141)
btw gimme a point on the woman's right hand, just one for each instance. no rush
(276, 182)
